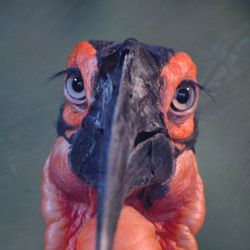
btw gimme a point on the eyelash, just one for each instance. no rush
(205, 90)
(64, 72)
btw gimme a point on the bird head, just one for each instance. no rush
(129, 114)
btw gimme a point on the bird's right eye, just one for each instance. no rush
(74, 88)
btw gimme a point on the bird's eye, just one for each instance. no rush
(74, 89)
(184, 98)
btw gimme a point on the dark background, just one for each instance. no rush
(36, 37)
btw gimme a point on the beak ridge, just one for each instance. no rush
(139, 152)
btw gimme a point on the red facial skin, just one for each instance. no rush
(69, 204)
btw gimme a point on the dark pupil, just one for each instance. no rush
(77, 85)
(182, 95)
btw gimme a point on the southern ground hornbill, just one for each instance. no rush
(122, 173)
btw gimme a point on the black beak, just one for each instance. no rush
(125, 128)
(139, 153)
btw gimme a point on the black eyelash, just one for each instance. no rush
(201, 87)
(68, 71)
(205, 90)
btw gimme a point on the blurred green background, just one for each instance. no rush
(36, 37)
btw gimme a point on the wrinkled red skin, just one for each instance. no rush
(69, 204)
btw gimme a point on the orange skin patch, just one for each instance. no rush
(73, 116)
(180, 67)
(69, 204)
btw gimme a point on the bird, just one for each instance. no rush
(122, 173)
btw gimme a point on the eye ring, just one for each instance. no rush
(74, 90)
(185, 98)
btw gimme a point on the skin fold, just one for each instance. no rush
(167, 222)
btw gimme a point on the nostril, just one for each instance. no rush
(144, 135)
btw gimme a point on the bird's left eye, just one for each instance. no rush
(185, 97)
(74, 89)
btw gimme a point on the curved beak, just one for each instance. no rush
(136, 151)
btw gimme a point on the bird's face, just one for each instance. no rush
(129, 115)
